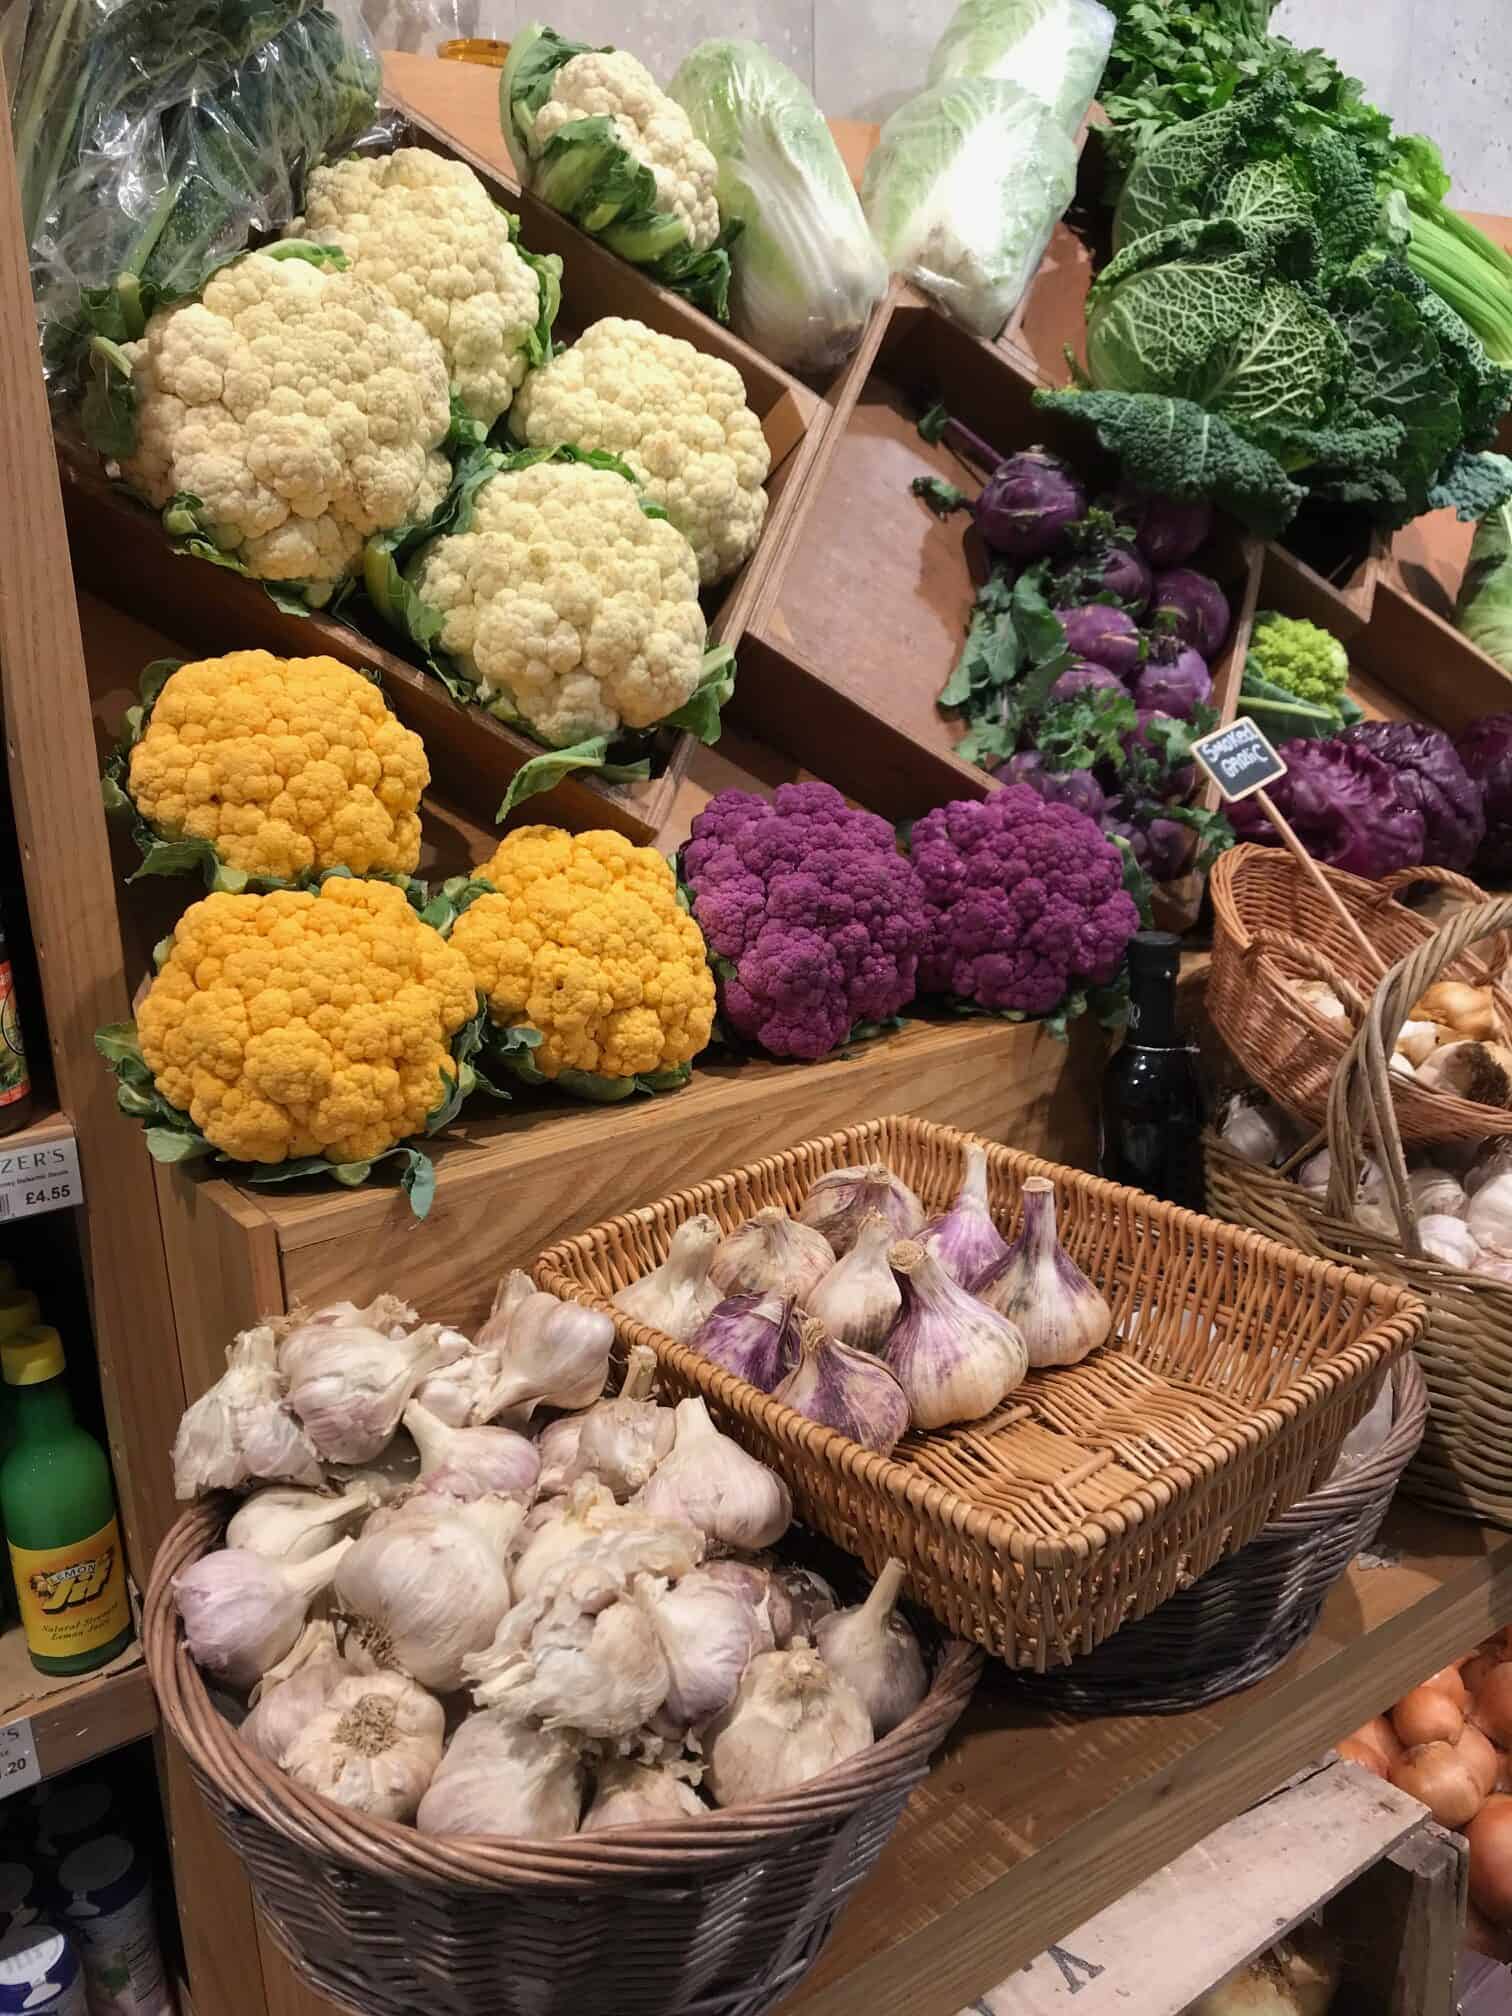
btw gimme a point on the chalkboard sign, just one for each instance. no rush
(1238, 759)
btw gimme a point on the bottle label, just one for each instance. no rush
(73, 1599)
(15, 1079)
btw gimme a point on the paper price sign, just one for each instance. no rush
(1239, 760)
(33, 1180)
(18, 1758)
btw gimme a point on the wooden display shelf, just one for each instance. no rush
(73, 1721)
(1032, 1821)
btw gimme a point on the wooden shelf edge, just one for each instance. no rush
(87, 1717)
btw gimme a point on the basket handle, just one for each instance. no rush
(1411, 878)
(1312, 962)
(1360, 1103)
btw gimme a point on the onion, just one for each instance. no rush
(1481, 1936)
(1436, 1774)
(1475, 1670)
(1490, 1838)
(1427, 1716)
(1449, 1680)
(1482, 1758)
(1355, 1752)
(1493, 1705)
(1379, 1735)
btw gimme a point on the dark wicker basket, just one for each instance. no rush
(1243, 1618)
(718, 1916)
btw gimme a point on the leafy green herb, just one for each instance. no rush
(942, 498)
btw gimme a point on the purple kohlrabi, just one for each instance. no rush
(1027, 503)
(1104, 635)
(1193, 608)
(1085, 678)
(1077, 788)
(1178, 685)
(1176, 781)
(1168, 532)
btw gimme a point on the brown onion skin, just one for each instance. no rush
(1354, 1751)
(1449, 1680)
(1481, 1756)
(1426, 1716)
(1436, 1774)
(1490, 1838)
(1493, 1705)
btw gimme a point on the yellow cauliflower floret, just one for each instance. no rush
(286, 767)
(585, 942)
(306, 1023)
(676, 416)
(300, 408)
(567, 602)
(428, 235)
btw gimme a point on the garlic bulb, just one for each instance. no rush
(392, 1473)
(849, 1391)
(1253, 1129)
(241, 1428)
(1490, 1215)
(1040, 1288)
(458, 1388)
(753, 1336)
(1480, 1072)
(676, 1297)
(791, 1719)
(501, 1776)
(289, 1693)
(709, 1633)
(1492, 1267)
(425, 1591)
(640, 1795)
(373, 1747)
(712, 1483)
(964, 1239)
(291, 1525)
(618, 1540)
(841, 1202)
(556, 1446)
(554, 1354)
(468, 1463)
(875, 1651)
(1468, 1011)
(758, 1588)
(1316, 1173)
(858, 1300)
(390, 1314)
(600, 1671)
(1320, 997)
(808, 1597)
(1435, 1192)
(1449, 1240)
(1492, 1158)
(1417, 1041)
(242, 1613)
(1399, 1067)
(771, 1252)
(349, 1383)
(955, 1358)
(622, 1440)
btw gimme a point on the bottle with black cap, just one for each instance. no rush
(1152, 1105)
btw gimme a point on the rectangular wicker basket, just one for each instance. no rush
(1095, 1491)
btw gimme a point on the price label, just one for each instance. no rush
(1238, 759)
(39, 1179)
(18, 1758)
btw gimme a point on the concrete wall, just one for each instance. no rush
(1438, 66)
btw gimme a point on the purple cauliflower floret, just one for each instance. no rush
(818, 919)
(1026, 902)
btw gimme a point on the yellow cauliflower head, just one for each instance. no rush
(585, 942)
(425, 232)
(676, 416)
(567, 603)
(286, 767)
(306, 1023)
(300, 408)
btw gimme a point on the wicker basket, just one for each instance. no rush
(1096, 1490)
(1465, 1463)
(1271, 929)
(1251, 1612)
(718, 1916)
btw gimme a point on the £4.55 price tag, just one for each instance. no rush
(18, 1758)
(45, 1178)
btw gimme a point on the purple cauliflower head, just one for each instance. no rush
(1026, 902)
(815, 920)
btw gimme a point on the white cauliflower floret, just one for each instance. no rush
(565, 600)
(650, 126)
(426, 233)
(675, 415)
(300, 407)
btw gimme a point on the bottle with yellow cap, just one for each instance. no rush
(58, 1505)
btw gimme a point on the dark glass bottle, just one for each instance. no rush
(1152, 1106)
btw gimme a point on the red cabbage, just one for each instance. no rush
(1177, 687)
(1105, 635)
(1431, 778)
(1027, 503)
(1485, 749)
(1344, 806)
(1193, 608)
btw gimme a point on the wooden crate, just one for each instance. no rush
(870, 593)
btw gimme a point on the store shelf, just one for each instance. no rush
(74, 1721)
(1032, 1822)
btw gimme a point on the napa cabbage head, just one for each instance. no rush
(1055, 49)
(806, 270)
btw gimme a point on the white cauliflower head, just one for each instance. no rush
(651, 127)
(299, 407)
(567, 603)
(425, 232)
(675, 415)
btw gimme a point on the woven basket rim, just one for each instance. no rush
(1400, 1317)
(683, 1849)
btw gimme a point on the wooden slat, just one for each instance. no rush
(84, 1718)
(1403, 1927)
(1032, 1822)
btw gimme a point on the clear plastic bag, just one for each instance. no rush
(967, 183)
(420, 26)
(153, 139)
(1056, 49)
